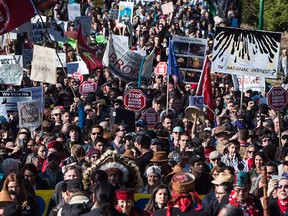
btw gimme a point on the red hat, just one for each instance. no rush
(194, 86)
(125, 194)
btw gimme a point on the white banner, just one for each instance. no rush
(246, 52)
(44, 65)
(125, 63)
(29, 113)
(250, 82)
(10, 74)
(77, 66)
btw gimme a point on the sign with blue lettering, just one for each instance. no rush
(10, 99)
(196, 101)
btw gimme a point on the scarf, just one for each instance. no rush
(183, 202)
(283, 205)
(248, 206)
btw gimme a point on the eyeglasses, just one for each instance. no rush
(238, 190)
(96, 133)
(250, 152)
(282, 186)
(214, 159)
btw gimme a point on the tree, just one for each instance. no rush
(275, 15)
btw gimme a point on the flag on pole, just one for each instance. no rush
(212, 7)
(87, 53)
(205, 89)
(15, 13)
(173, 68)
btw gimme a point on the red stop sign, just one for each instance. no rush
(161, 69)
(135, 99)
(151, 117)
(87, 87)
(277, 98)
(78, 75)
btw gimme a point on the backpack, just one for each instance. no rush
(76, 209)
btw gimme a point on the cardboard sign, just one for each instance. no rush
(44, 65)
(10, 74)
(167, 8)
(10, 99)
(29, 114)
(73, 11)
(196, 101)
(11, 59)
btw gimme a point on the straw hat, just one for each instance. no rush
(5, 196)
(159, 157)
(177, 169)
(223, 177)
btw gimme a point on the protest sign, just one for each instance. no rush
(3, 111)
(196, 101)
(255, 83)
(10, 99)
(44, 65)
(113, 14)
(73, 11)
(167, 8)
(151, 117)
(77, 66)
(37, 33)
(125, 13)
(29, 114)
(37, 94)
(62, 57)
(85, 22)
(11, 59)
(10, 74)
(26, 27)
(125, 63)
(27, 56)
(246, 52)
(56, 30)
(190, 54)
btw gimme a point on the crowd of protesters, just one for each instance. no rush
(190, 165)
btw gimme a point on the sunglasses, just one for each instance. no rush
(177, 132)
(250, 152)
(214, 159)
(57, 114)
(96, 133)
(285, 186)
(285, 137)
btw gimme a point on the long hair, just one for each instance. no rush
(106, 198)
(22, 197)
(152, 205)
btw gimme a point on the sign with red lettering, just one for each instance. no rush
(255, 83)
(277, 98)
(161, 69)
(135, 99)
(78, 75)
(87, 87)
(151, 117)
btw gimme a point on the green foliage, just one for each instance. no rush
(250, 9)
(275, 15)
